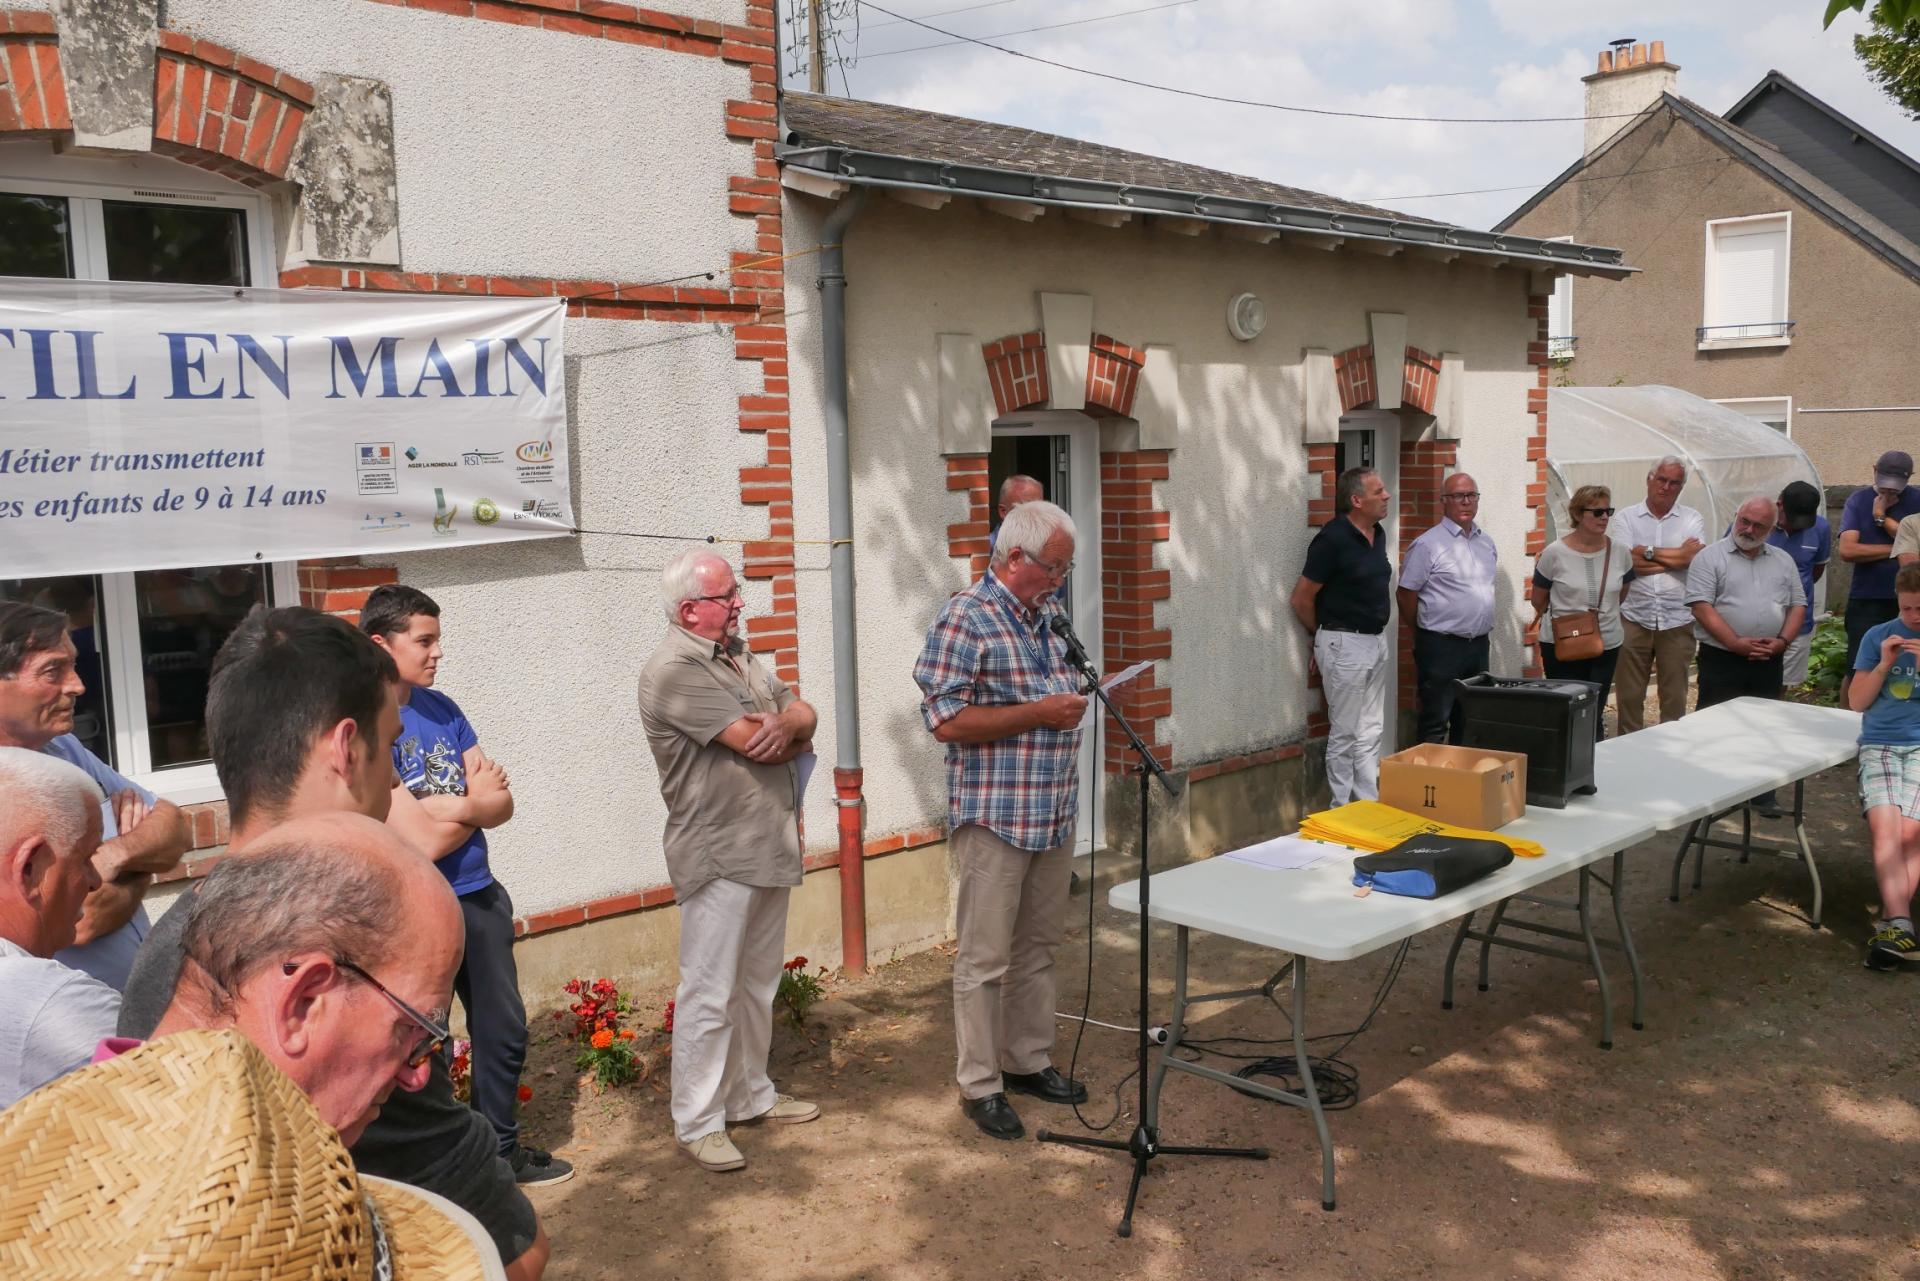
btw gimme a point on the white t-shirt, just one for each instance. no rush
(51, 1019)
(1658, 601)
(1573, 580)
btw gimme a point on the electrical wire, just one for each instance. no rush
(943, 13)
(1051, 26)
(1535, 186)
(1242, 102)
(1086, 995)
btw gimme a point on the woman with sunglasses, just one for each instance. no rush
(1585, 571)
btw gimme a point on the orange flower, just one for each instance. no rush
(627, 1034)
(602, 1039)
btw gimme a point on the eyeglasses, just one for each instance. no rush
(1053, 571)
(1599, 511)
(1664, 483)
(729, 597)
(437, 1035)
(1470, 496)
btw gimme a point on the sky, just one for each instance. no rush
(1424, 58)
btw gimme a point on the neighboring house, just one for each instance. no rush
(1185, 357)
(1779, 248)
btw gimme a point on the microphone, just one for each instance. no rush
(1076, 653)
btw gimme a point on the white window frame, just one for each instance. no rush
(34, 170)
(1739, 403)
(1711, 283)
(1562, 295)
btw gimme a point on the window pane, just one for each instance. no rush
(177, 244)
(35, 237)
(78, 597)
(185, 616)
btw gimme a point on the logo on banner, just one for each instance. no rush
(383, 522)
(481, 458)
(536, 462)
(443, 515)
(414, 463)
(536, 509)
(485, 511)
(374, 468)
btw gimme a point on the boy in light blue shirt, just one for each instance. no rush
(1886, 690)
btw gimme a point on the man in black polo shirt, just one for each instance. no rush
(1343, 599)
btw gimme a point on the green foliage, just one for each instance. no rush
(1826, 662)
(1891, 52)
(1894, 13)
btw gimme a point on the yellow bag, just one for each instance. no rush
(1369, 825)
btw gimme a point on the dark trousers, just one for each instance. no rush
(1599, 671)
(1440, 659)
(489, 990)
(1725, 675)
(1863, 615)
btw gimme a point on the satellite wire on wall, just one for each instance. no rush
(1241, 102)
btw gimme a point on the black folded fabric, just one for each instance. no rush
(1429, 866)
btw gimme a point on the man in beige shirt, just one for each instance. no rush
(724, 733)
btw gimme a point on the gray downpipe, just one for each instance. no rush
(846, 663)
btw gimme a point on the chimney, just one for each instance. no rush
(1629, 79)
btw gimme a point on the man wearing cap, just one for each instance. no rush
(1446, 589)
(1802, 533)
(1868, 525)
(1665, 536)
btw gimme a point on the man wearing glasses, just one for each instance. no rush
(724, 733)
(1447, 577)
(1665, 537)
(268, 942)
(996, 688)
(1747, 605)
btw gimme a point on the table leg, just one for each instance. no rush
(1593, 955)
(1746, 832)
(1176, 1027)
(1307, 1087)
(1680, 860)
(1486, 944)
(1453, 954)
(1626, 941)
(1806, 852)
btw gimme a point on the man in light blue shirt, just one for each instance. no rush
(1446, 589)
(141, 834)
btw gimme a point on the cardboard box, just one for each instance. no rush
(1465, 786)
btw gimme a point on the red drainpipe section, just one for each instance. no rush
(853, 872)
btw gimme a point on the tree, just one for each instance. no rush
(1892, 13)
(1891, 49)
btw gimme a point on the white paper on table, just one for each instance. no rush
(1287, 853)
(1109, 685)
(802, 771)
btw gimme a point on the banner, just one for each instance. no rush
(166, 426)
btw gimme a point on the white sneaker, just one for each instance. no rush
(715, 1152)
(786, 1110)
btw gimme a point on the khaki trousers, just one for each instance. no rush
(1012, 914)
(1668, 653)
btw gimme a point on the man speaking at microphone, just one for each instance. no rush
(998, 690)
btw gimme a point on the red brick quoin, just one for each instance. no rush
(33, 93)
(1017, 371)
(224, 111)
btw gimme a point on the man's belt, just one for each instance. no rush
(1351, 631)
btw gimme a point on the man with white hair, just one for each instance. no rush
(51, 1016)
(997, 690)
(724, 732)
(1665, 537)
(1747, 604)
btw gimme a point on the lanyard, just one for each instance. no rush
(1037, 648)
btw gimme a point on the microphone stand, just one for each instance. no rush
(1144, 1144)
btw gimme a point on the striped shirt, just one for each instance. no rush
(988, 650)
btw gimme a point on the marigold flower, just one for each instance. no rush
(627, 1034)
(526, 1092)
(602, 1039)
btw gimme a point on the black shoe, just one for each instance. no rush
(1892, 948)
(995, 1116)
(533, 1166)
(1046, 1084)
(1767, 806)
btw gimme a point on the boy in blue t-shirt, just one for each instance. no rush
(1886, 688)
(437, 759)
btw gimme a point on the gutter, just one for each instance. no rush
(863, 169)
(847, 774)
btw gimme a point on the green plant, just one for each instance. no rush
(798, 990)
(606, 1049)
(1826, 661)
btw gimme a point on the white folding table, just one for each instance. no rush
(1657, 780)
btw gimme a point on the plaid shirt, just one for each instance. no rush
(987, 649)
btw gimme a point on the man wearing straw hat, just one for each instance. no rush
(51, 1016)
